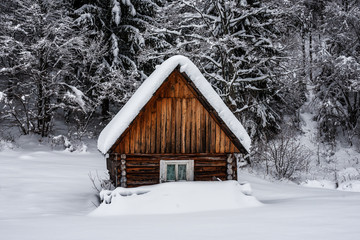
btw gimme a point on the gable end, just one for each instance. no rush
(162, 127)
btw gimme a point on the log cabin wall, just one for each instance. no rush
(173, 125)
(144, 169)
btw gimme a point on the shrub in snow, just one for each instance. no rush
(103, 188)
(101, 183)
(5, 144)
(284, 157)
(61, 142)
(348, 174)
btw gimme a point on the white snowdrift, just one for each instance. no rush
(131, 109)
(319, 184)
(350, 186)
(179, 197)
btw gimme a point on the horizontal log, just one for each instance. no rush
(142, 177)
(162, 155)
(147, 170)
(203, 163)
(139, 163)
(200, 158)
(221, 174)
(210, 169)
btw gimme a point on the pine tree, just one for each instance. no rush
(45, 50)
(237, 45)
(337, 85)
(120, 26)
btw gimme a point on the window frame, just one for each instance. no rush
(189, 169)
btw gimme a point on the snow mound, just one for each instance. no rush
(179, 197)
(131, 109)
(350, 186)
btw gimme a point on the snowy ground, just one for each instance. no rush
(176, 197)
(48, 195)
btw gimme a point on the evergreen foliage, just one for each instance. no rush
(77, 62)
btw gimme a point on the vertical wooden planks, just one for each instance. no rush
(175, 122)
(158, 125)
(213, 135)
(206, 127)
(168, 128)
(222, 141)
(163, 125)
(198, 126)
(172, 140)
(178, 125)
(153, 129)
(217, 137)
(188, 125)
(193, 125)
(226, 144)
(148, 130)
(121, 147)
(136, 137)
(232, 147)
(177, 85)
(203, 129)
(143, 133)
(183, 125)
(171, 86)
(140, 132)
(209, 130)
(131, 140)
(126, 142)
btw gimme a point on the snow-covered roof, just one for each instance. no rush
(132, 108)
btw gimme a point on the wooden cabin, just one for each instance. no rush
(174, 128)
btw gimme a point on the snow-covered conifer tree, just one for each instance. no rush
(337, 84)
(120, 26)
(40, 52)
(237, 45)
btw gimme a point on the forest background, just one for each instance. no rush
(67, 66)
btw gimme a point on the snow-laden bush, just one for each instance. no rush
(103, 187)
(348, 174)
(284, 157)
(5, 144)
(62, 142)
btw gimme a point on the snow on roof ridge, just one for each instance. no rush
(132, 108)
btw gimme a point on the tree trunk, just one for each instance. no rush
(105, 107)
(311, 55)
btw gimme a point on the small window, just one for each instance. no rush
(176, 170)
(170, 172)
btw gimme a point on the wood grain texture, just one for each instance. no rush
(175, 120)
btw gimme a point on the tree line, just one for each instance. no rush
(74, 63)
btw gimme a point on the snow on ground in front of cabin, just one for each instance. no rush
(175, 197)
(47, 194)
